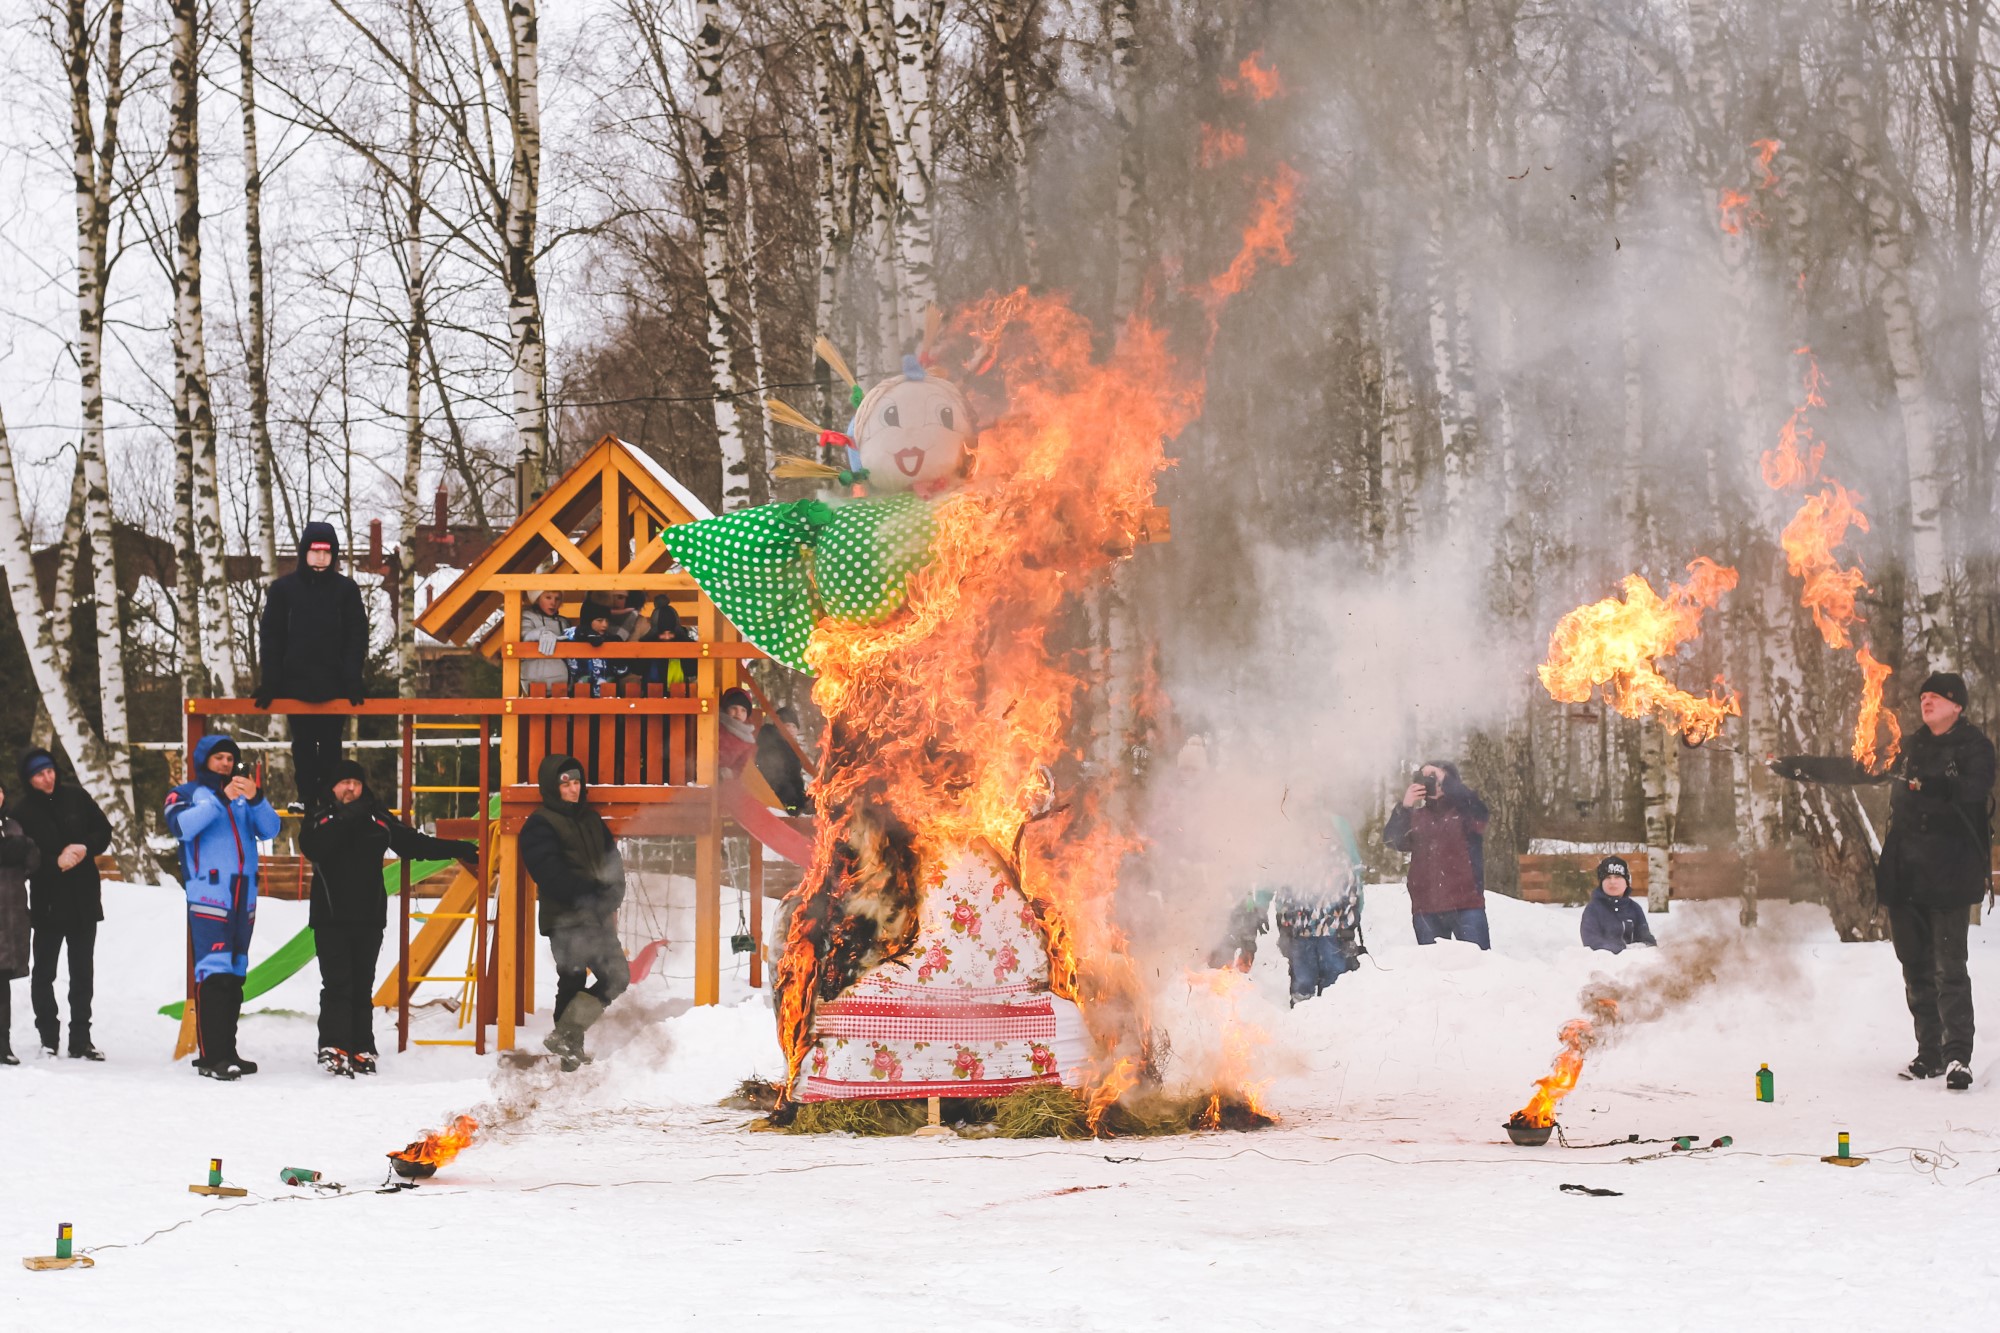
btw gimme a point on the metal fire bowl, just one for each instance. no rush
(1529, 1136)
(410, 1170)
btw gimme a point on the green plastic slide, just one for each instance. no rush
(297, 951)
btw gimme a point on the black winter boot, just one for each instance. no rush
(1923, 1067)
(235, 1001)
(213, 1026)
(1958, 1077)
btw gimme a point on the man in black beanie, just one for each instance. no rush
(313, 643)
(1935, 865)
(347, 843)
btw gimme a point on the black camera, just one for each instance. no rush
(1427, 782)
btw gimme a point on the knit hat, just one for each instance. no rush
(34, 761)
(592, 610)
(1946, 685)
(734, 698)
(344, 769)
(1613, 865)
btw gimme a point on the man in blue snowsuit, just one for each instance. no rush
(219, 817)
(1612, 921)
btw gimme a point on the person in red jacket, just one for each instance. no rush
(1441, 823)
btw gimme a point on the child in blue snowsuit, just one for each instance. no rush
(1612, 922)
(219, 818)
(593, 626)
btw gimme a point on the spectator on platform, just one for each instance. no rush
(542, 625)
(219, 816)
(781, 765)
(1441, 823)
(1935, 864)
(66, 897)
(19, 856)
(736, 750)
(314, 643)
(347, 843)
(1319, 926)
(667, 628)
(1613, 921)
(628, 624)
(593, 626)
(581, 882)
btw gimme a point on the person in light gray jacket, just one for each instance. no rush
(543, 626)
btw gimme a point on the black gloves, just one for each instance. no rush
(1788, 766)
(356, 696)
(594, 639)
(467, 852)
(264, 696)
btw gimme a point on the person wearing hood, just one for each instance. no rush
(1441, 823)
(219, 816)
(347, 842)
(580, 881)
(781, 765)
(593, 626)
(1935, 865)
(542, 625)
(19, 856)
(1612, 920)
(313, 644)
(66, 896)
(667, 628)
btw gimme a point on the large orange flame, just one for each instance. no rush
(1616, 643)
(1575, 1038)
(1829, 589)
(946, 721)
(438, 1147)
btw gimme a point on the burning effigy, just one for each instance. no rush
(954, 934)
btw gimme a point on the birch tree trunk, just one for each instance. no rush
(80, 741)
(69, 553)
(217, 638)
(1128, 209)
(255, 354)
(897, 40)
(94, 161)
(415, 334)
(714, 229)
(826, 198)
(187, 581)
(520, 79)
(1006, 20)
(1890, 260)
(758, 443)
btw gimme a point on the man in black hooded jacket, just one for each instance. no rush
(1935, 865)
(66, 896)
(580, 880)
(347, 843)
(314, 642)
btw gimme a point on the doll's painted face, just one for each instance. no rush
(912, 435)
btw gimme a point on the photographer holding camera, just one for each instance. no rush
(1441, 823)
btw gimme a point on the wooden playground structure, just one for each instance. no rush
(650, 753)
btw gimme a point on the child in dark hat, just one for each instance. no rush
(593, 626)
(1612, 921)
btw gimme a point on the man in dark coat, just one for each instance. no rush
(1441, 823)
(346, 843)
(1612, 921)
(66, 898)
(1935, 865)
(19, 858)
(580, 880)
(314, 642)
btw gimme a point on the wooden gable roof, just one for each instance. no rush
(592, 531)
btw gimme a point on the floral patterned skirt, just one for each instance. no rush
(967, 1013)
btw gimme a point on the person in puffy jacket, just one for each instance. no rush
(313, 644)
(1612, 921)
(1935, 864)
(347, 843)
(1441, 823)
(66, 898)
(542, 625)
(593, 626)
(1319, 924)
(580, 881)
(18, 858)
(219, 816)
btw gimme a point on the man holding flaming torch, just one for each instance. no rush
(1935, 865)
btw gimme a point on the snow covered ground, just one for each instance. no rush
(1387, 1198)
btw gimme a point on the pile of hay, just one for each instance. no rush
(1034, 1113)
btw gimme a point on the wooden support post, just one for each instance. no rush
(510, 942)
(408, 800)
(756, 896)
(482, 989)
(708, 847)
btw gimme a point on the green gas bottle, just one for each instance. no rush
(1766, 1084)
